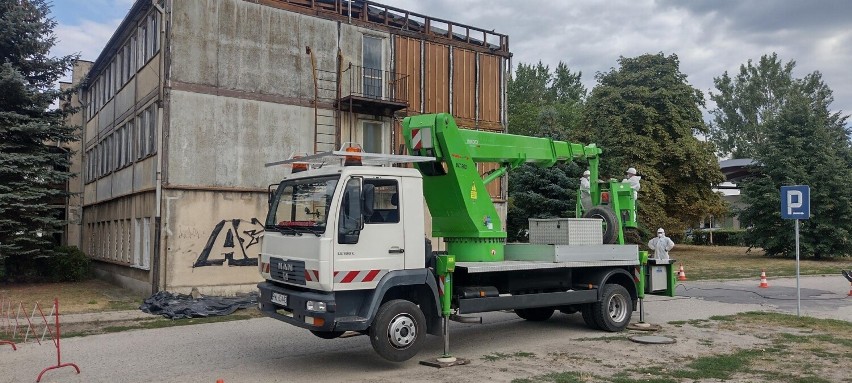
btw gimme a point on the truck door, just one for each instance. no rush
(362, 257)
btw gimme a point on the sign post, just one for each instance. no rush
(796, 204)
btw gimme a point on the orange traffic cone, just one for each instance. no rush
(850, 289)
(220, 380)
(763, 283)
(681, 275)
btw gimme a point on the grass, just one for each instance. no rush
(74, 297)
(729, 262)
(154, 323)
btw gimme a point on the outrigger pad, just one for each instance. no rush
(434, 362)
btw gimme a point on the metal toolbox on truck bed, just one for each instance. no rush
(566, 231)
(579, 255)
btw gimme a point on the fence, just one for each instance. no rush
(14, 328)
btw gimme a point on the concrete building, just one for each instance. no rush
(190, 98)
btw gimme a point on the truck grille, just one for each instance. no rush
(287, 270)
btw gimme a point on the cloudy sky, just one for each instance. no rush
(709, 36)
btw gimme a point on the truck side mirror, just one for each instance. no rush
(351, 214)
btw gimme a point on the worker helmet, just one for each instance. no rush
(661, 231)
(587, 173)
(631, 171)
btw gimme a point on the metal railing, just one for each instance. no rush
(376, 84)
(376, 13)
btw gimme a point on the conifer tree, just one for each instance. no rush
(33, 167)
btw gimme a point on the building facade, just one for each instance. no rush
(190, 99)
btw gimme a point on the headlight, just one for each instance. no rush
(315, 306)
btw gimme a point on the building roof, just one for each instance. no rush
(401, 20)
(735, 170)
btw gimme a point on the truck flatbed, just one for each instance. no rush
(487, 267)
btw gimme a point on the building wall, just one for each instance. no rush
(174, 182)
(121, 146)
(74, 209)
(212, 240)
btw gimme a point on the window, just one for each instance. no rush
(132, 65)
(142, 244)
(154, 35)
(142, 134)
(129, 132)
(372, 66)
(152, 129)
(372, 137)
(385, 201)
(140, 47)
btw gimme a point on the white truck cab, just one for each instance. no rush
(337, 240)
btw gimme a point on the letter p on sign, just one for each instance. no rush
(795, 202)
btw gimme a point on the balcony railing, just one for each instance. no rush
(373, 91)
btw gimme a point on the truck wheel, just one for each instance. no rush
(398, 330)
(538, 314)
(588, 317)
(327, 334)
(610, 222)
(613, 312)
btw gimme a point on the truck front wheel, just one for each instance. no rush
(398, 330)
(613, 312)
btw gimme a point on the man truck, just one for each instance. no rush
(344, 248)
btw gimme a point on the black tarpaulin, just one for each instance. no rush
(180, 306)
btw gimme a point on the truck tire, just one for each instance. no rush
(613, 312)
(538, 314)
(610, 222)
(398, 330)
(588, 318)
(327, 334)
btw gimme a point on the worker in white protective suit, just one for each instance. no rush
(633, 180)
(586, 191)
(661, 245)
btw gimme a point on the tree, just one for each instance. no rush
(534, 90)
(646, 115)
(745, 103)
(804, 143)
(33, 170)
(543, 104)
(536, 192)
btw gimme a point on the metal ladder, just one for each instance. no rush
(326, 130)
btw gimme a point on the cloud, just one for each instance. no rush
(709, 36)
(86, 39)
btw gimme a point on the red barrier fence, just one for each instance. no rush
(13, 330)
(56, 338)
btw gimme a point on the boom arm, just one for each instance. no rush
(461, 208)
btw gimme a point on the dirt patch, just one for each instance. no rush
(750, 347)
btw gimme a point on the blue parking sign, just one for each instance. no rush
(796, 202)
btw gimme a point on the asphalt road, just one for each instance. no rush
(264, 350)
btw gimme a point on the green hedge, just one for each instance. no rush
(63, 264)
(723, 237)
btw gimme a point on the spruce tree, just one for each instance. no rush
(805, 144)
(33, 167)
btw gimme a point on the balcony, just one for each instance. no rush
(372, 91)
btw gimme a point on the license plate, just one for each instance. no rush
(279, 299)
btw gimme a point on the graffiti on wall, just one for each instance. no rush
(228, 243)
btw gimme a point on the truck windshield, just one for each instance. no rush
(300, 206)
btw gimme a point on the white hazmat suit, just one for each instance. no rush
(661, 245)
